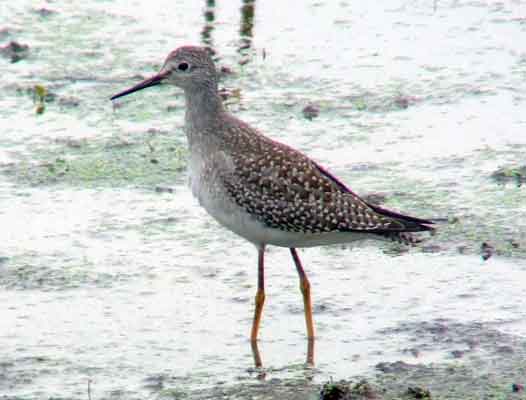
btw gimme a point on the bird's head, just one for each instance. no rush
(188, 67)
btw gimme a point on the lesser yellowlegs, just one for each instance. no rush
(263, 190)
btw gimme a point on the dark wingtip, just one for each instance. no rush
(411, 224)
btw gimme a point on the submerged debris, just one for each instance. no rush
(401, 101)
(360, 104)
(363, 389)
(517, 387)
(44, 12)
(69, 101)
(4, 32)
(419, 393)
(487, 250)
(164, 189)
(458, 353)
(40, 98)
(311, 111)
(394, 367)
(14, 51)
(432, 248)
(345, 391)
(376, 199)
(70, 142)
(334, 391)
(230, 94)
(225, 71)
(510, 174)
(172, 107)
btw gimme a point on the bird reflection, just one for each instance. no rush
(208, 27)
(247, 24)
(258, 363)
(247, 11)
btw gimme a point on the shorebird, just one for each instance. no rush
(264, 190)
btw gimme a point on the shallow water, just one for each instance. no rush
(109, 270)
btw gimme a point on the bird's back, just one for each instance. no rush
(279, 188)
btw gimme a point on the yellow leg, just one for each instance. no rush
(255, 353)
(260, 296)
(305, 291)
(260, 300)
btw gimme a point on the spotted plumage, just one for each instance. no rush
(284, 189)
(263, 190)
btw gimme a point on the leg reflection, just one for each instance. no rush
(258, 363)
(247, 24)
(209, 24)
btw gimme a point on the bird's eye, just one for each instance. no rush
(182, 67)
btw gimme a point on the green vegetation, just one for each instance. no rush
(157, 160)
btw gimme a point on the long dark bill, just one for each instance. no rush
(154, 80)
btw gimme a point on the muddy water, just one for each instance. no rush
(110, 272)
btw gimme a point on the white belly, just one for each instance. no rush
(214, 199)
(236, 219)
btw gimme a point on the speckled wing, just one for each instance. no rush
(286, 190)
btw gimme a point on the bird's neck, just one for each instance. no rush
(203, 107)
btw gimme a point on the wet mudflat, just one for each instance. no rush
(111, 274)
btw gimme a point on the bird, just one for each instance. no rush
(263, 190)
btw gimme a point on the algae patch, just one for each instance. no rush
(115, 162)
(516, 174)
(39, 276)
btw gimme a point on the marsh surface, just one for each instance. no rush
(111, 273)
